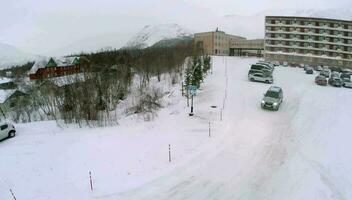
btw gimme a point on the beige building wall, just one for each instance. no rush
(215, 43)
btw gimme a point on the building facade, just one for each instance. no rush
(220, 43)
(313, 41)
(56, 67)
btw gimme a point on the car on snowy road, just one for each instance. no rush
(7, 130)
(321, 80)
(260, 77)
(272, 98)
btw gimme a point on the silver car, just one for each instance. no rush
(7, 130)
(272, 98)
(347, 83)
(261, 77)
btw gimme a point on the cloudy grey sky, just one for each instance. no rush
(39, 26)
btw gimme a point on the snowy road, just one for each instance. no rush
(268, 155)
(300, 152)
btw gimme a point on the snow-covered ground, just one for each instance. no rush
(299, 152)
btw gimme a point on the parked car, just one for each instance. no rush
(261, 77)
(347, 71)
(272, 98)
(321, 80)
(268, 65)
(256, 68)
(275, 63)
(347, 83)
(335, 74)
(325, 73)
(7, 130)
(262, 67)
(319, 68)
(335, 81)
(345, 76)
(309, 70)
(306, 67)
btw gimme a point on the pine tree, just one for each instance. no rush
(197, 71)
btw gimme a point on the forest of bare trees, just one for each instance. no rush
(91, 97)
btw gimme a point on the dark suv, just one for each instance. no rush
(272, 98)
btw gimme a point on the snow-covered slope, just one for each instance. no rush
(10, 55)
(150, 35)
(252, 26)
(299, 152)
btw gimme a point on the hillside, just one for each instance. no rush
(150, 35)
(10, 55)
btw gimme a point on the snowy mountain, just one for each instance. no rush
(10, 55)
(252, 26)
(151, 35)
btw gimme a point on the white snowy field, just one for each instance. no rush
(299, 152)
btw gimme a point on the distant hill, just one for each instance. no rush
(161, 34)
(10, 56)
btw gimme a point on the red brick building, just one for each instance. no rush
(55, 67)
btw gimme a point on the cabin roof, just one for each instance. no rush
(53, 62)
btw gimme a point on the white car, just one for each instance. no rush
(347, 83)
(7, 130)
(260, 77)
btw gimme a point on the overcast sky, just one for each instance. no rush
(39, 26)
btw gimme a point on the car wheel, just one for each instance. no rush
(252, 79)
(12, 134)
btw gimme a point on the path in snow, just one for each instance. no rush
(263, 154)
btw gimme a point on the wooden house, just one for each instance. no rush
(56, 67)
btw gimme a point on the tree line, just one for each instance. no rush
(93, 96)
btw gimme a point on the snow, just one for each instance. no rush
(4, 80)
(150, 35)
(4, 94)
(299, 152)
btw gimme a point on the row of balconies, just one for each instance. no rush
(347, 43)
(309, 34)
(314, 31)
(310, 25)
(314, 53)
(310, 45)
(327, 49)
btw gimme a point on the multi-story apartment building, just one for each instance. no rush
(220, 43)
(313, 41)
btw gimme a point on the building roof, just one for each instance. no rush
(310, 18)
(53, 62)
